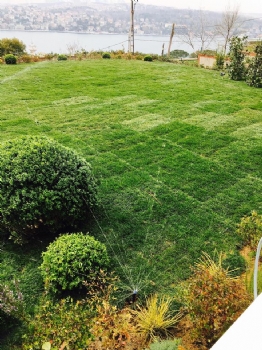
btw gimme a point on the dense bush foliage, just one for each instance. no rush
(156, 318)
(11, 46)
(63, 324)
(214, 300)
(10, 59)
(179, 54)
(106, 55)
(148, 58)
(44, 187)
(61, 57)
(250, 229)
(220, 60)
(237, 70)
(254, 72)
(72, 259)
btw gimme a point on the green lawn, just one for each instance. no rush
(177, 151)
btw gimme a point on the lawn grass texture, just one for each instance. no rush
(177, 151)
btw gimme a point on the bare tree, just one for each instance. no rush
(201, 31)
(72, 48)
(229, 25)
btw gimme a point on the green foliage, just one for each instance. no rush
(237, 70)
(235, 264)
(179, 54)
(214, 300)
(148, 58)
(250, 229)
(11, 300)
(156, 318)
(11, 46)
(220, 60)
(170, 164)
(64, 324)
(106, 55)
(44, 187)
(10, 59)
(254, 72)
(72, 259)
(61, 57)
(27, 58)
(166, 345)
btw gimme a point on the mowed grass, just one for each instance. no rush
(177, 151)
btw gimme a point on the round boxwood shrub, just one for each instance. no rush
(72, 259)
(106, 55)
(10, 59)
(61, 57)
(235, 264)
(148, 58)
(44, 186)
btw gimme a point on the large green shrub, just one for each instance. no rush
(237, 70)
(254, 72)
(72, 259)
(61, 57)
(11, 46)
(10, 59)
(44, 186)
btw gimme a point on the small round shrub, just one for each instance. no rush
(106, 55)
(10, 59)
(44, 186)
(72, 259)
(148, 58)
(61, 57)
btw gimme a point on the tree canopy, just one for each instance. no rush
(11, 46)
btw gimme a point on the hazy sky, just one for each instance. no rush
(246, 6)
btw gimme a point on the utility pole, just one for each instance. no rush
(131, 41)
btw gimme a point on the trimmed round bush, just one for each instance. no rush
(10, 59)
(72, 259)
(148, 58)
(106, 55)
(44, 186)
(61, 57)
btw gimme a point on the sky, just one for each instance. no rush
(246, 6)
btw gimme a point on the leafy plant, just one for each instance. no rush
(10, 59)
(148, 58)
(11, 300)
(11, 46)
(213, 300)
(72, 259)
(254, 72)
(114, 328)
(106, 55)
(61, 57)
(62, 324)
(179, 54)
(220, 60)
(250, 229)
(156, 318)
(167, 345)
(44, 187)
(237, 70)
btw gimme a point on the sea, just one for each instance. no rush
(43, 42)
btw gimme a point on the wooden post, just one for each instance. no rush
(163, 49)
(171, 38)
